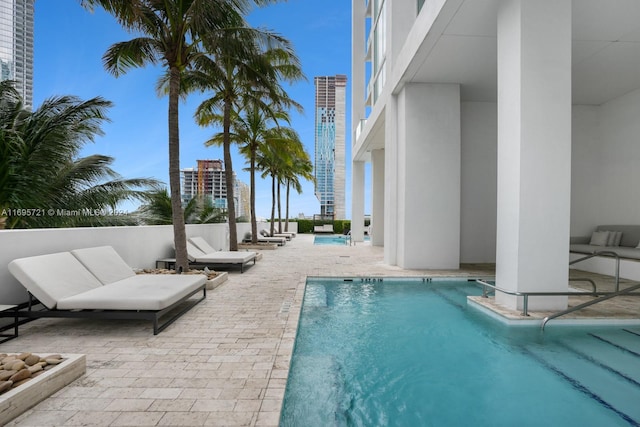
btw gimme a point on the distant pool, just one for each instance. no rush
(411, 353)
(333, 239)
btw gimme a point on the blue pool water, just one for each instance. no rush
(333, 239)
(412, 353)
(330, 239)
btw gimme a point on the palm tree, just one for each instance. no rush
(172, 33)
(300, 167)
(198, 210)
(244, 69)
(276, 157)
(40, 174)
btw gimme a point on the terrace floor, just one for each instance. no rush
(225, 362)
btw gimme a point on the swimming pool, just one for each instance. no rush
(411, 353)
(331, 239)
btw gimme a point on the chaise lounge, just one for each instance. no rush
(200, 252)
(280, 241)
(96, 283)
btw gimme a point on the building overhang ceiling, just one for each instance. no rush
(605, 50)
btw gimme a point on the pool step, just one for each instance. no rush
(325, 386)
(315, 295)
(600, 377)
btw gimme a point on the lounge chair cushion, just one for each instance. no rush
(193, 252)
(218, 257)
(202, 244)
(226, 257)
(53, 277)
(105, 263)
(140, 292)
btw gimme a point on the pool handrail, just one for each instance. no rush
(526, 295)
(589, 303)
(603, 253)
(601, 296)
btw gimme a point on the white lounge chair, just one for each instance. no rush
(326, 228)
(266, 233)
(97, 283)
(200, 252)
(280, 241)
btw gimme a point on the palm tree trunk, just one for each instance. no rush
(254, 220)
(228, 174)
(179, 232)
(273, 202)
(279, 210)
(286, 219)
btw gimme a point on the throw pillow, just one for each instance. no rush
(599, 238)
(618, 239)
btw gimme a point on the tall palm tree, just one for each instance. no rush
(40, 173)
(171, 33)
(274, 159)
(245, 69)
(300, 167)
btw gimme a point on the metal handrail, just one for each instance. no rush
(604, 253)
(584, 279)
(589, 303)
(526, 295)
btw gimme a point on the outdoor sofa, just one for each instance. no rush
(621, 239)
(97, 283)
(200, 252)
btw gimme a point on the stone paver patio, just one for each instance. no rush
(225, 362)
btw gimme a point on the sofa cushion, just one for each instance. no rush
(583, 248)
(53, 277)
(105, 263)
(629, 253)
(614, 238)
(599, 238)
(630, 233)
(140, 292)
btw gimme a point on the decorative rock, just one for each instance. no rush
(16, 369)
(17, 365)
(20, 375)
(32, 360)
(5, 375)
(5, 385)
(35, 368)
(51, 356)
(8, 359)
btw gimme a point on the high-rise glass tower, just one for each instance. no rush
(330, 144)
(16, 46)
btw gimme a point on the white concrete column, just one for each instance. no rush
(377, 197)
(534, 150)
(391, 174)
(428, 185)
(357, 201)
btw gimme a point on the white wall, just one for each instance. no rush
(606, 164)
(479, 136)
(586, 170)
(140, 247)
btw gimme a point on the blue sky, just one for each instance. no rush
(70, 42)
